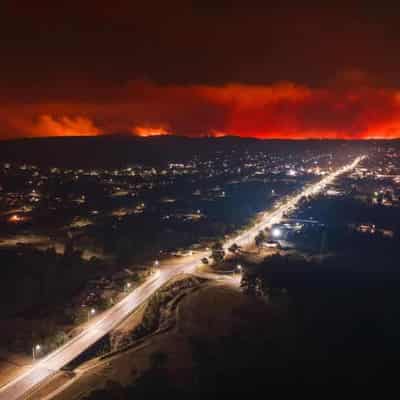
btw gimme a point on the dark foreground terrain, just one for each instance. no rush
(341, 327)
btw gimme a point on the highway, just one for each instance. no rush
(45, 367)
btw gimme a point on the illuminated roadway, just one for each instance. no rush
(45, 367)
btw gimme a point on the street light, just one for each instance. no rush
(128, 286)
(35, 350)
(239, 267)
(91, 312)
(276, 232)
(156, 263)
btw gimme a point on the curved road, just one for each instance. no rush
(44, 368)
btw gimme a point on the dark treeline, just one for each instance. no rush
(34, 282)
(345, 309)
(120, 150)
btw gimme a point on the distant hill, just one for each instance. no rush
(117, 150)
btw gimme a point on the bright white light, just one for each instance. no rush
(276, 232)
(92, 311)
(156, 263)
(239, 267)
(38, 347)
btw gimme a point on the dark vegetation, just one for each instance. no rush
(339, 212)
(36, 290)
(117, 150)
(346, 311)
(35, 281)
(155, 308)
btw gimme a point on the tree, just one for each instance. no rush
(59, 338)
(217, 252)
(247, 284)
(261, 237)
(259, 287)
(234, 248)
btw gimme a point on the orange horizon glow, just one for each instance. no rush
(146, 131)
(277, 111)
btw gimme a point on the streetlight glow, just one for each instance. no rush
(35, 351)
(91, 312)
(276, 232)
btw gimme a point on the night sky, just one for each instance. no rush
(199, 68)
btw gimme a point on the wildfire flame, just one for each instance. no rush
(145, 131)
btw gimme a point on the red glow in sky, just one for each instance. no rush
(199, 68)
(282, 110)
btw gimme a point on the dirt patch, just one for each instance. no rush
(216, 310)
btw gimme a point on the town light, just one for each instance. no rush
(276, 232)
(15, 218)
(156, 263)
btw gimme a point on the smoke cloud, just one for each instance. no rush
(354, 110)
